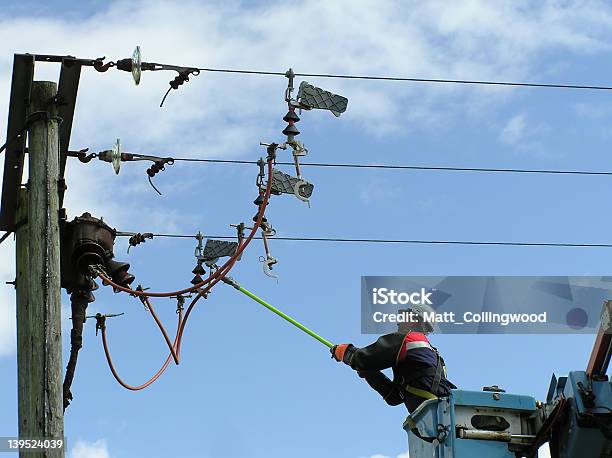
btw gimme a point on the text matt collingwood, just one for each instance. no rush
(504, 319)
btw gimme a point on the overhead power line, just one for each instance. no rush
(412, 80)
(406, 167)
(392, 241)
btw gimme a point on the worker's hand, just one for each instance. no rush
(340, 352)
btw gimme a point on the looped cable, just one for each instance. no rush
(212, 280)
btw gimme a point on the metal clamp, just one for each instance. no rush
(142, 299)
(199, 249)
(268, 261)
(138, 238)
(100, 322)
(180, 302)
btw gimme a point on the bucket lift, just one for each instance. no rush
(576, 418)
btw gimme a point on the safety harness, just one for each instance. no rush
(436, 372)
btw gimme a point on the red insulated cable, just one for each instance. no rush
(260, 215)
(224, 270)
(152, 379)
(193, 303)
(163, 331)
(175, 348)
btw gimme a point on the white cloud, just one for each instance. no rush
(219, 114)
(377, 189)
(592, 110)
(84, 449)
(468, 39)
(514, 130)
(526, 136)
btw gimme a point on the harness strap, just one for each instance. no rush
(438, 376)
(437, 372)
(419, 392)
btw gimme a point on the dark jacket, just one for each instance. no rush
(413, 361)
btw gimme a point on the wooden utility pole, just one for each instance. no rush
(39, 357)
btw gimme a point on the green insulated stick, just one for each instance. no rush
(230, 281)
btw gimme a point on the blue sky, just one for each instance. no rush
(249, 385)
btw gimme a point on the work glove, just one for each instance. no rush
(342, 352)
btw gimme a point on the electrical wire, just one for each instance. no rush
(219, 274)
(213, 279)
(396, 241)
(162, 329)
(411, 80)
(259, 218)
(406, 167)
(161, 370)
(225, 269)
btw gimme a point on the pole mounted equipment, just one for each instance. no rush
(115, 156)
(136, 66)
(268, 261)
(215, 249)
(86, 242)
(308, 97)
(198, 270)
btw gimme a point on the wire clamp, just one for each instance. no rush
(100, 322)
(138, 238)
(142, 299)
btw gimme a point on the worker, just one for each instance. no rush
(419, 372)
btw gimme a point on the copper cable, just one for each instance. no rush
(224, 270)
(163, 331)
(152, 379)
(193, 303)
(175, 348)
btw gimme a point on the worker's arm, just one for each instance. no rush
(385, 387)
(382, 354)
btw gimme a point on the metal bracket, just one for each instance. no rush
(21, 85)
(199, 249)
(283, 183)
(310, 97)
(216, 249)
(268, 261)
